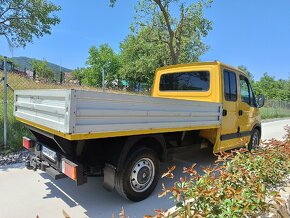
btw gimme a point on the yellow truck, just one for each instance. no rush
(124, 137)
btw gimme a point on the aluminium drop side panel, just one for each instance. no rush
(71, 110)
(48, 108)
(108, 112)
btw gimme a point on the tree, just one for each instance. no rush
(10, 63)
(273, 89)
(102, 58)
(42, 69)
(283, 90)
(78, 74)
(139, 59)
(21, 20)
(247, 72)
(181, 34)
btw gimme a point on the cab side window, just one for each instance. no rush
(230, 86)
(246, 92)
(244, 89)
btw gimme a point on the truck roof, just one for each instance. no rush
(199, 64)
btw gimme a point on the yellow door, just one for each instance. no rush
(229, 131)
(248, 112)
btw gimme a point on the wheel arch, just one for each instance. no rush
(257, 126)
(155, 142)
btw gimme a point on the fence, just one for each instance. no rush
(22, 80)
(27, 80)
(275, 109)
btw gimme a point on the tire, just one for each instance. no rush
(139, 175)
(255, 140)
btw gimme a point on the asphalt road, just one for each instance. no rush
(25, 193)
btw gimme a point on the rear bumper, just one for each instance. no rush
(55, 168)
(36, 163)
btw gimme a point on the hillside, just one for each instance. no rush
(25, 63)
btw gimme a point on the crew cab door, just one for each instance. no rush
(229, 130)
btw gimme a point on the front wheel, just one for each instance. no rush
(139, 176)
(255, 140)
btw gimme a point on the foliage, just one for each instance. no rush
(15, 133)
(140, 59)
(273, 89)
(269, 86)
(181, 35)
(10, 63)
(8, 59)
(21, 20)
(272, 112)
(102, 58)
(236, 186)
(159, 38)
(42, 69)
(78, 74)
(270, 165)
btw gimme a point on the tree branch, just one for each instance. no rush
(8, 8)
(179, 30)
(14, 18)
(169, 28)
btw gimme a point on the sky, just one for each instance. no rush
(253, 33)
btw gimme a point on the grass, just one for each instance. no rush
(270, 113)
(16, 131)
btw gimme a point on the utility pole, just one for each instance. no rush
(103, 80)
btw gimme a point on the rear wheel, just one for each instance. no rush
(255, 140)
(139, 176)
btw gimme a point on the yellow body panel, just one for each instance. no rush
(232, 123)
(212, 95)
(96, 135)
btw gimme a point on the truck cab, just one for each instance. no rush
(219, 83)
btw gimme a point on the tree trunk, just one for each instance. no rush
(174, 58)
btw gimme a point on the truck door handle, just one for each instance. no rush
(225, 113)
(240, 112)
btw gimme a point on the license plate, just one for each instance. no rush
(49, 153)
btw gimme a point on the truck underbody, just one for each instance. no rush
(106, 157)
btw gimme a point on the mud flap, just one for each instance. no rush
(109, 177)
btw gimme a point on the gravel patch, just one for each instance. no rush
(14, 157)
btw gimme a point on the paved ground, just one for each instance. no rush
(24, 193)
(274, 129)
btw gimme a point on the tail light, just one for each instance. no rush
(69, 169)
(26, 142)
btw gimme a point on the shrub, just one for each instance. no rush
(236, 186)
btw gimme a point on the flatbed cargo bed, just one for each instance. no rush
(80, 114)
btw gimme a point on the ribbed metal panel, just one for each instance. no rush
(44, 107)
(106, 112)
(76, 111)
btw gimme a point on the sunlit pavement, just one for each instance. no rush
(24, 193)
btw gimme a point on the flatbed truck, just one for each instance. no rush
(125, 137)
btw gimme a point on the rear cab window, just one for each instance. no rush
(194, 81)
(230, 85)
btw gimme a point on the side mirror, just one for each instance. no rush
(260, 100)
